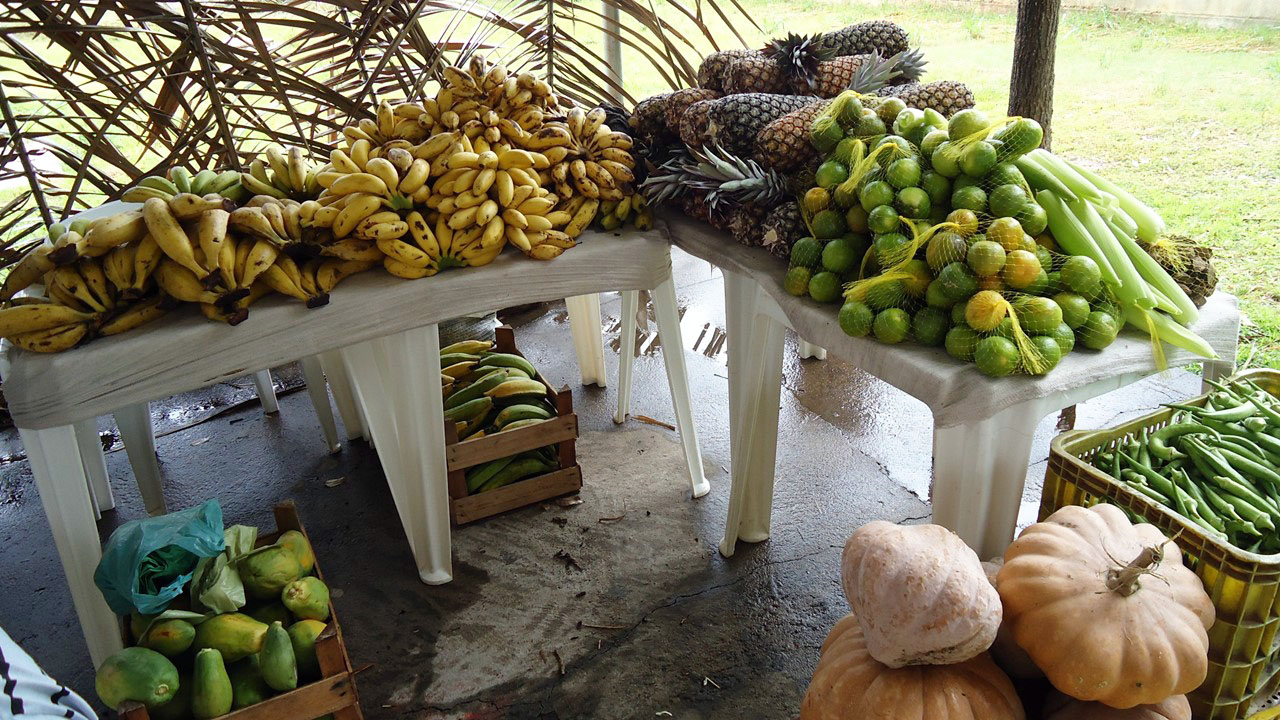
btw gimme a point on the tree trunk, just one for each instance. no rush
(1036, 40)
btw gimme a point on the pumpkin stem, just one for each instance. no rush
(1124, 580)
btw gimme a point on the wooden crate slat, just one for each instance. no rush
(504, 444)
(516, 495)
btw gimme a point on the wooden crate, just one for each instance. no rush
(561, 430)
(335, 691)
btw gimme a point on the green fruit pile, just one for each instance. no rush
(183, 669)
(925, 228)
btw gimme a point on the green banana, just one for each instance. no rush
(447, 359)
(56, 231)
(522, 411)
(470, 347)
(522, 467)
(517, 424)
(518, 390)
(508, 360)
(474, 425)
(200, 183)
(476, 389)
(225, 179)
(480, 475)
(80, 227)
(159, 183)
(469, 410)
(181, 178)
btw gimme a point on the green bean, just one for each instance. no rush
(1216, 462)
(1243, 492)
(1148, 492)
(1255, 424)
(1245, 447)
(1144, 456)
(1158, 443)
(1219, 503)
(1160, 483)
(1255, 470)
(1243, 528)
(1268, 442)
(1202, 507)
(1245, 510)
(1271, 415)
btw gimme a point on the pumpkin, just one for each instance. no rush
(849, 684)
(1060, 707)
(920, 594)
(1011, 658)
(1106, 608)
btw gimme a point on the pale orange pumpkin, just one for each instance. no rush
(1060, 707)
(1011, 658)
(920, 594)
(850, 685)
(1106, 608)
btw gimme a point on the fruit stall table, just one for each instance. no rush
(385, 330)
(983, 426)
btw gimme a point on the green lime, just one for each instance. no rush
(961, 342)
(944, 248)
(1099, 330)
(958, 313)
(1037, 315)
(986, 258)
(966, 219)
(1075, 309)
(829, 224)
(850, 111)
(884, 295)
(930, 326)
(958, 281)
(868, 126)
(1081, 274)
(807, 252)
(830, 174)
(913, 202)
(1005, 329)
(1065, 337)
(1006, 173)
(841, 255)
(856, 218)
(1021, 269)
(825, 133)
(934, 296)
(856, 318)
(1007, 201)
(1033, 219)
(1054, 285)
(892, 325)
(824, 287)
(903, 173)
(996, 356)
(908, 120)
(946, 159)
(1045, 353)
(883, 219)
(902, 148)
(935, 119)
(966, 123)
(875, 194)
(846, 150)
(965, 181)
(970, 198)
(938, 214)
(845, 197)
(918, 277)
(1044, 256)
(978, 159)
(891, 248)
(796, 281)
(1039, 286)
(889, 108)
(931, 141)
(938, 187)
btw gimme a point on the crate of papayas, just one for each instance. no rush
(279, 655)
(509, 433)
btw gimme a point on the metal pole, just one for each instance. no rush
(612, 47)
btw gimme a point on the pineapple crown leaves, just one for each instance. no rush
(876, 72)
(798, 56)
(727, 179)
(911, 64)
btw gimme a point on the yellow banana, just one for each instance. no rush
(169, 235)
(595, 118)
(27, 271)
(297, 165)
(19, 319)
(409, 272)
(116, 230)
(136, 315)
(228, 251)
(353, 249)
(360, 207)
(361, 182)
(582, 218)
(187, 206)
(118, 266)
(484, 180)
(342, 163)
(278, 280)
(517, 237)
(96, 280)
(181, 284)
(359, 153)
(261, 256)
(382, 169)
(415, 177)
(145, 260)
(545, 252)
(404, 253)
(54, 339)
(73, 285)
(558, 239)
(211, 230)
(330, 272)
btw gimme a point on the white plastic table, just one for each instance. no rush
(983, 426)
(383, 328)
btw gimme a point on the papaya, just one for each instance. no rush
(210, 686)
(307, 598)
(297, 544)
(277, 661)
(266, 571)
(234, 635)
(138, 624)
(178, 708)
(272, 612)
(169, 637)
(138, 674)
(302, 635)
(247, 686)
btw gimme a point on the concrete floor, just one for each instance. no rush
(618, 607)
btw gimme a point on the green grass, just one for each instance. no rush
(1183, 116)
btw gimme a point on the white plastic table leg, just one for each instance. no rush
(64, 492)
(95, 465)
(266, 391)
(1217, 370)
(979, 470)
(626, 353)
(668, 315)
(335, 373)
(134, 424)
(809, 350)
(317, 388)
(588, 338)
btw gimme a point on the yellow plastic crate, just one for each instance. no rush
(1244, 665)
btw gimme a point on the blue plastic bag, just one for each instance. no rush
(147, 563)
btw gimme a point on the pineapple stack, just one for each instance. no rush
(752, 114)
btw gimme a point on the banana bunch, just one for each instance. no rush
(614, 214)
(484, 99)
(423, 252)
(311, 281)
(44, 325)
(364, 196)
(285, 174)
(41, 259)
(286, 223)
(180, 181)
(587, 158)
(408, 122)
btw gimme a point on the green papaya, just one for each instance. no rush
(210, 686)
(302, 635)
(138, 624)
(179, 707)
(266, 571)
(138, 674)
(278, 663)
(247, 686)
(169, 637)
(272, 612)
(307, 598)
(234, 635)
(298, 544)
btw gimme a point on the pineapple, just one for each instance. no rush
(693, 124)
(883, 36)
(781, 228)
(746, 222)
(680, 100)
(944, 96)
(783, 144)
(650, 116)
(828, 78)
(724, 179)
(733, 121)
(712, 68)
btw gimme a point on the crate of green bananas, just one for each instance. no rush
(509, 433)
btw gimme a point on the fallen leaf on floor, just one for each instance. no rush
(569, 561)
(201, 441)
(611, 519)
(559, 661)
(560, 521)
(335, 482)
(650, 421)
(706, 680)
(569, 501)
(663, 713)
